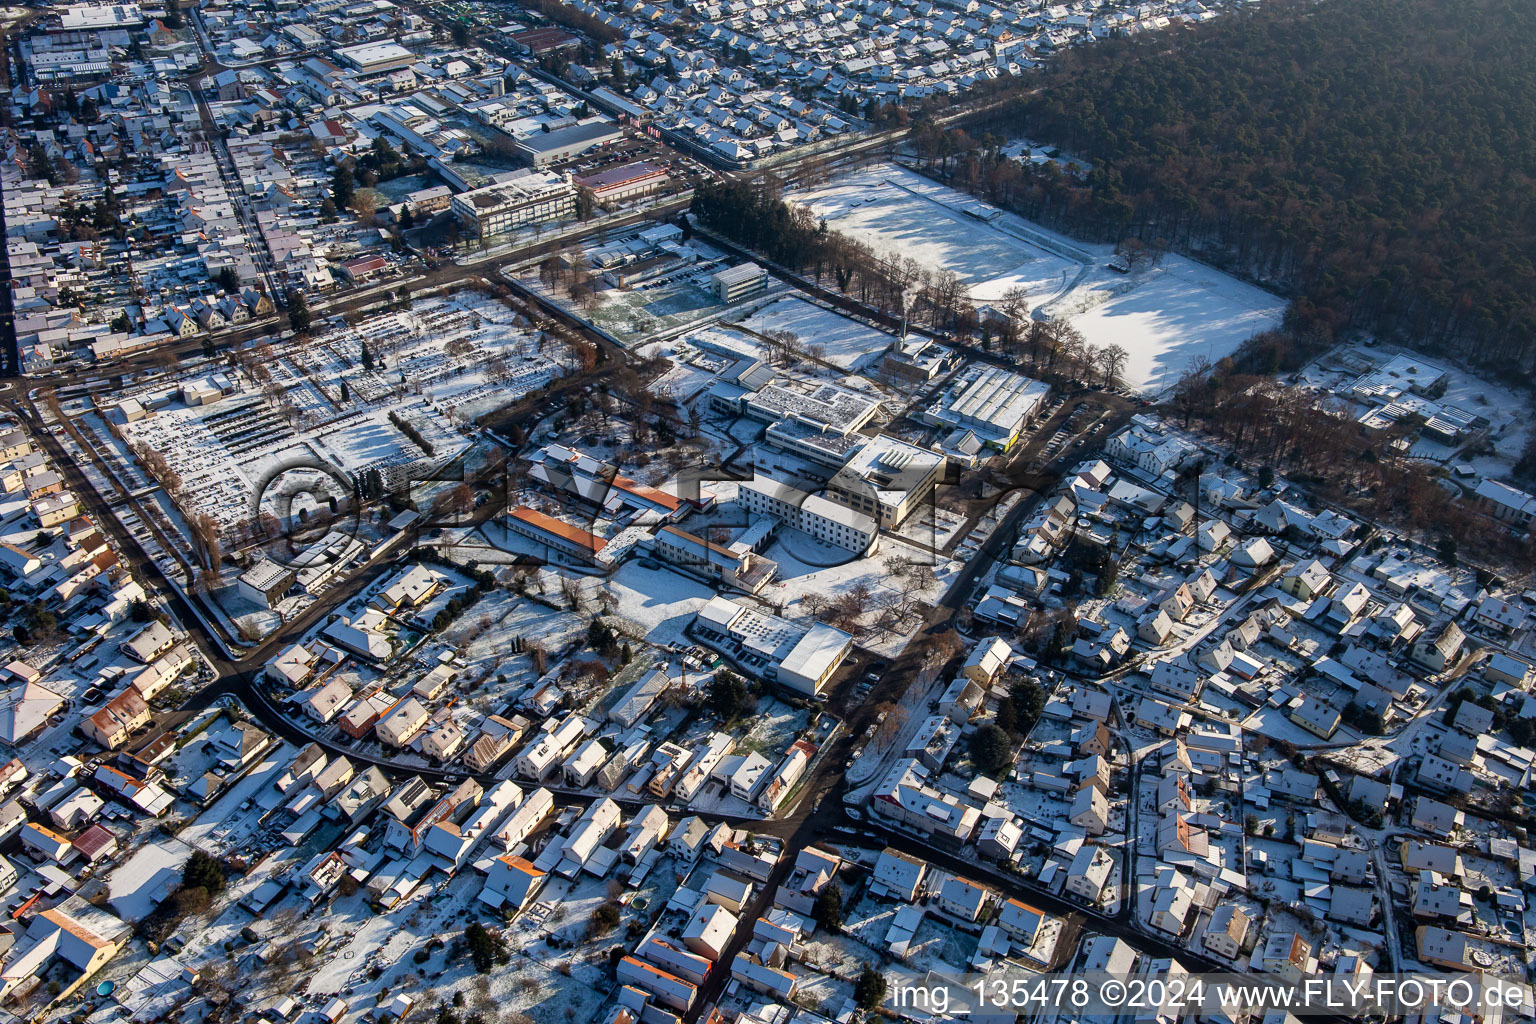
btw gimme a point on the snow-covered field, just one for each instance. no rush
(897, 212)
(1165, 316)
(1176, 313)
(661, 601)
(843, 342)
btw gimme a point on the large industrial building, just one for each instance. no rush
(800, 658)
(996, 404)
(544, 148)
(377, 57)
(627, 181)
(533, 198)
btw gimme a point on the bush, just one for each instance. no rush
(411, 432)
(728, 696)
(203, 871)
(605, 918)
(485, 949)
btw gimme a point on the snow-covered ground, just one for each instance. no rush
(843, 342)
(1174, 314)
(663, 602)
(436, 366)
(1165, 316)
(899, 213)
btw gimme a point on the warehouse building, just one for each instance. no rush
(547, 148)
(539, 41)
(627, 181)
(993, 402)
(377, 57)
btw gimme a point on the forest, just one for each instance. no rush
(1371, 159)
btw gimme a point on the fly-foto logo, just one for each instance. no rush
(299, 494)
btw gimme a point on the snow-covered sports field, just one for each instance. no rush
(1165, 316)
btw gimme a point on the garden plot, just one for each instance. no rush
(941, 947)
(434, 367)
(824, 334)
(775, 725)
(490, 674)
(550, 985)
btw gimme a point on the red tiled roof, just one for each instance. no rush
(549, 524)
(93, 840)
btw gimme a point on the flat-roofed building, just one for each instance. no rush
(92, 17)
(823, 406)
(429, 200)
(800, 658)
(887, 479)
(827, 448)
(539, 41)
(616, 184)
(740, 282)
(377, 57)
(544, 148)
(827, 521)
(265, 583)
(993, 402)
(535, 198)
